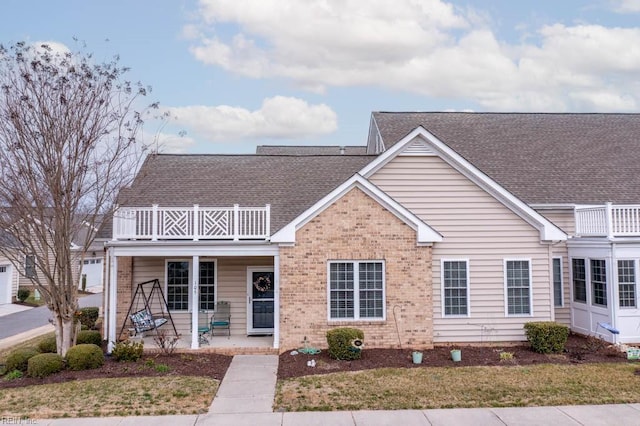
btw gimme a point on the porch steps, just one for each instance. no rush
(248, 387)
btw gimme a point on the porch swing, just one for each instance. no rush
(148, 294)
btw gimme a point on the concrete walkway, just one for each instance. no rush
(248, 387)
(246, 396)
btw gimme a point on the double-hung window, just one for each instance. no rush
(578, 270)
(178, 285)
(207, 285)
(518, 287)
(557, 281)
(599, 282)
(356, 290)
(455, 284)
(30, 266)
(627, 283)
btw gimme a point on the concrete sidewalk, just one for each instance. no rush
(588, 415)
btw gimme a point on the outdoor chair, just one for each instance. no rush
(144, 321)
(204, 327)
(221, 318)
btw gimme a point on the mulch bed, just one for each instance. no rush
(578, 350)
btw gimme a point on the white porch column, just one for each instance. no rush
(195, 301)
(113, 300)
(276, 301)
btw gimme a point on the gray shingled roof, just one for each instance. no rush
(310, 150)
(291, 184)
(541, 158)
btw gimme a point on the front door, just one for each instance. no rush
(260, 299)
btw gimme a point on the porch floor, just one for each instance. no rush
(229, 345)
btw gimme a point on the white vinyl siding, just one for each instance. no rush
(518, 287)
(356, 290)
(455, 283)
(480, 228)
(627, 283)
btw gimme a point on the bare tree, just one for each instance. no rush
(68, 144)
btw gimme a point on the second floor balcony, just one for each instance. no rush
(191, 223)
(608, 221)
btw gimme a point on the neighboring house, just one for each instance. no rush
(90, 262)
(454, 227)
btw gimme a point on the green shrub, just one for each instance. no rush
(43, 365)
(546, 336)
(48, 345)
(84, 357)
(88, 316)
(89, 336)
(19, 359)
(14, 374)
(127, 351)
(23, 294)
(345, 343)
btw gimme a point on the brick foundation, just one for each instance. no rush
(356, 227)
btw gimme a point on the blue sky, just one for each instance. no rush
(237, 73)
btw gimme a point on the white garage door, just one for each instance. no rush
(92, 268)
(5, 284)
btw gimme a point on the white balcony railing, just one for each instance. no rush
(608, 221)
(194, 223)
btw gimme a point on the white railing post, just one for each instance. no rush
(116, 224)
(196, 222)
(154, 223)
(236, 222)
(267, 225)
(609, 220)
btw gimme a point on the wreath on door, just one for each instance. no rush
(262, 284)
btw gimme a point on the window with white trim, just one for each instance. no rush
(627, 283)
(518, 287)
(599, 282)
(356, 290)
(557, 281)
(30, 266)
(455, 283)
(207, 286)
(178, 285)
(579, 272)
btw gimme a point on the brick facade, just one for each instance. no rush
(356, 227)
(125, 291)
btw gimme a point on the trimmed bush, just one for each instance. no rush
(48, 345)
(88, 316)
(23, 294)
(19, 359)
(345, 343)
(84, 357)
(127, 351)
(546, 336)
(43, 365)
(89, 336)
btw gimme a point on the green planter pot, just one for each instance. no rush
(417, 357)
(456, 355)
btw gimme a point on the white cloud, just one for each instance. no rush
(426, 47)
(167, 143)
(627, 6)
(278, 117)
